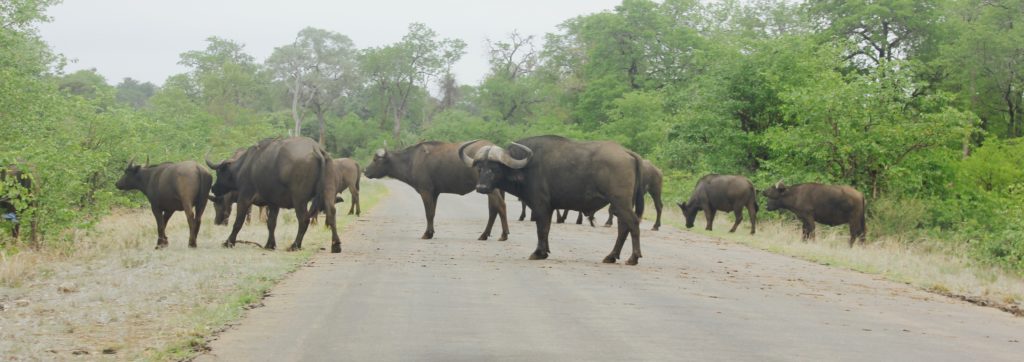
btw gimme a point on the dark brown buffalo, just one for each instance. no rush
(552, 172)
(284, 173)
(828, 204)
(726, 193)
(222, 208)
(652, 185)
(434, 168)
(10, 208)
(349, 172)
(170, 187)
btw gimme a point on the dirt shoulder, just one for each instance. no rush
(118, 298)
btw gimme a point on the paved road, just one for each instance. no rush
(392, 296)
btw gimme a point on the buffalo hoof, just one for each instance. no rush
(228, 244)
(160, 246)
(270, 246)
(655, 228)
(297, 248)
(427, 235)
(336, 248)
(503, 237)
(483, 237)
(607, 224)
(610, 259)
(192, 245)
(537, 255)
(633, 260)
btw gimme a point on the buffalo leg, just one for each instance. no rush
(496, 208)
(193, 226)
(161, 239)
(739, 218)
(561, 215)
(611, 216)
(808, 228)
(302, 216)
(543, 229)
(272, 212)
(752, 210)
(522, 214)
(709, 215)
(657, 207)
(629, 223)
(241, 208)
(857, 230)
(429, 206)
(355, 200)
(330, 218)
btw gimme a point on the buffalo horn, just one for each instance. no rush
(147, 161)
(209, 164)
(462, 153)
(514, 163)
(778, 185)
(131, 162)
(381, 152)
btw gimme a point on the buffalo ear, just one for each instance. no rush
(681, 205)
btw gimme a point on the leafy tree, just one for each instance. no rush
(133, 93)
(318, 68)
(396, 71)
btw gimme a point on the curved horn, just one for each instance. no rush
(147, 161)
(462, 154)
(209, 164)
(779, 185)
(131, 162)
(514, 163)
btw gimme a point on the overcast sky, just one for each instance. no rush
(143, 38)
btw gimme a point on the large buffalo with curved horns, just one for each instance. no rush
(434, 168)
(283, 173)
(552, 172)
(170, 187)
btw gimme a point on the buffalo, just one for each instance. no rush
(828, 204)
(170, 187)
(13, 203)
(652, 185)
(348, 173)
(286, 173)
(434, 168)
(553, 172)
(727, 193)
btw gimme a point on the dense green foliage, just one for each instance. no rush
(916, 103)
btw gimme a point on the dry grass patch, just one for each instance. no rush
(932, 265)
(117, 297)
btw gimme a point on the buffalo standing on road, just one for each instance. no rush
(284, 173)
(828, 204)
(434, 168)
(727, 193)
(170, 187)
(348, 174)
(552, 172)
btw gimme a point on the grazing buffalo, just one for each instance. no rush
(652, 185)
(434, 168)
(170, 187)
(552, 172)
(283, 173)
(828, 204)
(222, 208)
(15, 202)
(727, 193)
(349, 173)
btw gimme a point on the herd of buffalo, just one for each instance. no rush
(547, 173)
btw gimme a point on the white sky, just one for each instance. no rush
(143, 38)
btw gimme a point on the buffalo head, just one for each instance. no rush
(226, 181)
(381, 165)
(131, 179)
(493, 164)
(774, 194)
(221, 208)
(689, 212)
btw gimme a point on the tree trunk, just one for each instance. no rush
(295, 109)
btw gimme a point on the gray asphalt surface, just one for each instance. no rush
(391, 296)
